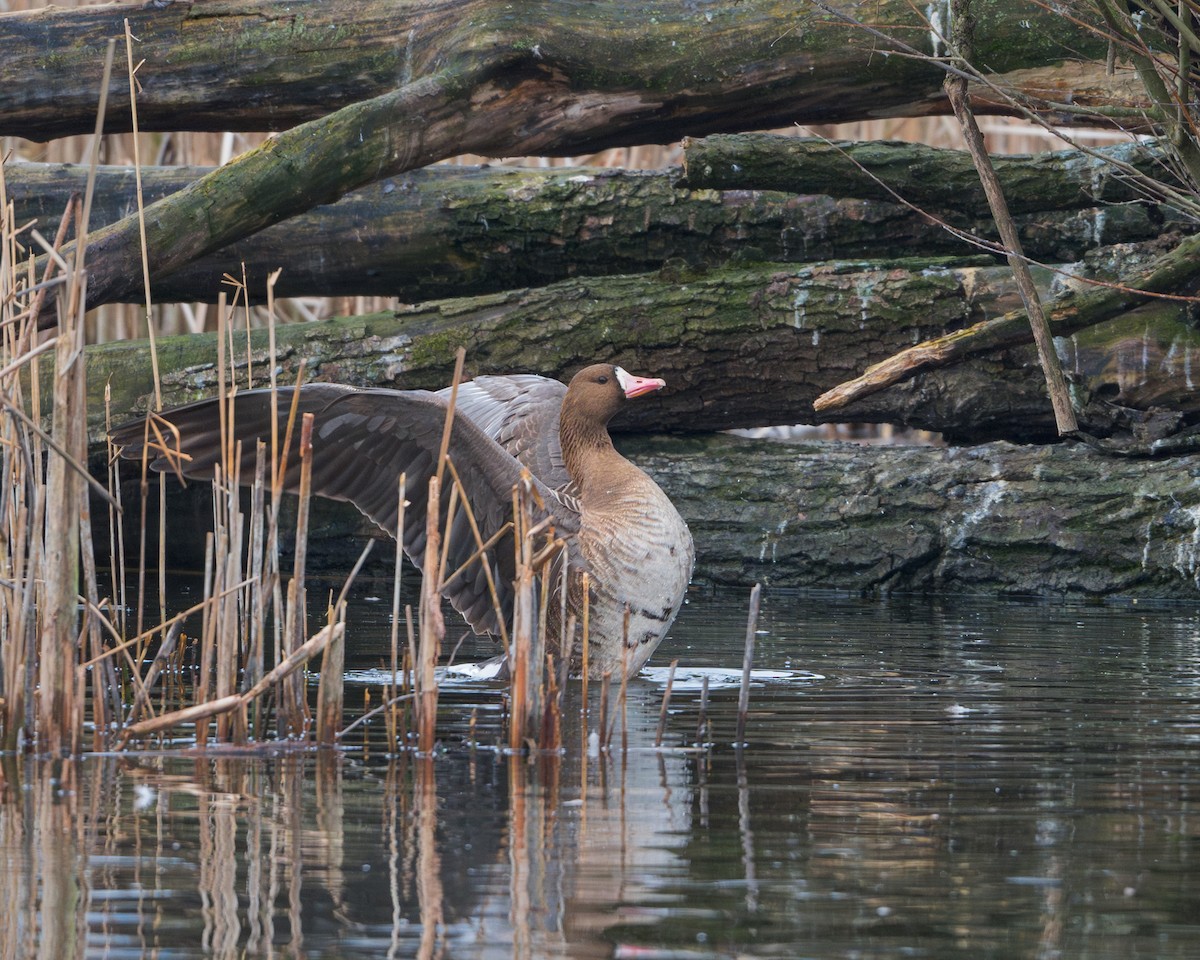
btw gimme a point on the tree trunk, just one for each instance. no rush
(461, 231)
(756, 64)
(739, 347)
(1046, 521)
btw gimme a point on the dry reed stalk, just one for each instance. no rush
(12, 503)
(401, 504)
(292, 703)
(702, 720)
(229, 636)
(106, 694)
(522, 627)
(587, 589)
(116, 529)
(622, 699)
(432, 628)
(481, 548)
(165, 652)
(747, 662)
(59, 718)
(331, 688)
(256, 608)
(141, 207)
(207, 625)
(666, 702)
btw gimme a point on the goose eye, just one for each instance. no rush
(602, 378)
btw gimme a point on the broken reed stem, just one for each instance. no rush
(605, 683)
(622, 701)
(962, 26)
(331, 687)
(202, 711)
(587, 589)
(702, 720)
(522, 631)
(747, 662)
(432, 627)
(666, 702)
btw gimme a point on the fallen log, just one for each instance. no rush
(931, 177)
(1169, 275)
(1045, 521)
(757, 64)
(739, 346)
(473, 79)
(461, 231)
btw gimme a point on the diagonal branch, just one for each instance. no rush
(1168, 274)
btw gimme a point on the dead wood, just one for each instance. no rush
(739, 345)
(458, 231)
(472, 79)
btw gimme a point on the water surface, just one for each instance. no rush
(921, 778)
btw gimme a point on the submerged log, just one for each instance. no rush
(1047, 521)
(460, 231)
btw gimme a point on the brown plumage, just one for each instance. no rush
(617, 522)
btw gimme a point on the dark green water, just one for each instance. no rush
(931, 779)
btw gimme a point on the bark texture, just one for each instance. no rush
(474, 77)
(1046, 521)
(458, 231)
(930, 177)
(754, 64)
(1054, 520)
(739, 346)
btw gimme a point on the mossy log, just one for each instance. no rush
(472, 77)
(934, 178)
(459, 231)
(1055, 520)
(1047, 521)
(739, 346)
(655, 71)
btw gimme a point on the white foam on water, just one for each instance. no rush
(692, 678)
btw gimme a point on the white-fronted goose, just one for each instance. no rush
(618, 524)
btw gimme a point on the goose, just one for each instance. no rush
(617, 523)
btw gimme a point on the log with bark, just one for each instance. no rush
(1047, 521)
(739, 345)
(456, 231)
(618, 75)
(472, 78)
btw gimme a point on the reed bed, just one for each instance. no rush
(104, 679)
(80, 668)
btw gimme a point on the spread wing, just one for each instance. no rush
(520, 412)
(362, 441)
